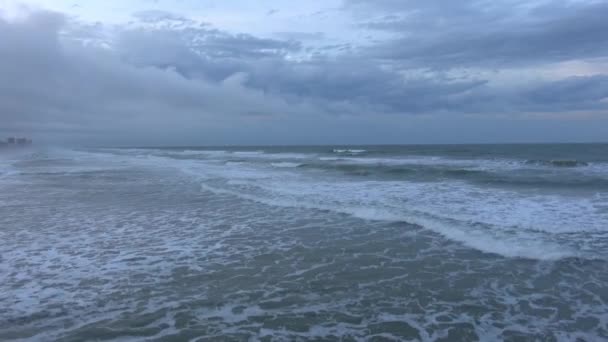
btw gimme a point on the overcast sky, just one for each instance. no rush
(214, 72)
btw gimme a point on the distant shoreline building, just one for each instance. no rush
(16, 142)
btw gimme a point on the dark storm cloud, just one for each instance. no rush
(442, 34)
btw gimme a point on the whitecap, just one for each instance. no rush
(285, 165)
(349, 151)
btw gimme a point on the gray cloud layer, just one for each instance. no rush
(49, 86)
(169, 79)
(473, 33)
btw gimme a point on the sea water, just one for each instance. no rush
(460, 242)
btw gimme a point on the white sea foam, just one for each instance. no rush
(274, 156)
(495, 221)
(503, 240)
(285, 165)
(202, 153)
(7, 171)
(248, 153)
(159, 263)
(507, 222)
(349, 151)
(481, 164)
(497, 164)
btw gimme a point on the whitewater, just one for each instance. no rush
(464, 242)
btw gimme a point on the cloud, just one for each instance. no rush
(53, 87)
(165, 78)
(574, 93)
(300, 36)
(155, 16)
(468, 33)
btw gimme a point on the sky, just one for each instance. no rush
(245, 72)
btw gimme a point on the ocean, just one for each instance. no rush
(325, 243)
